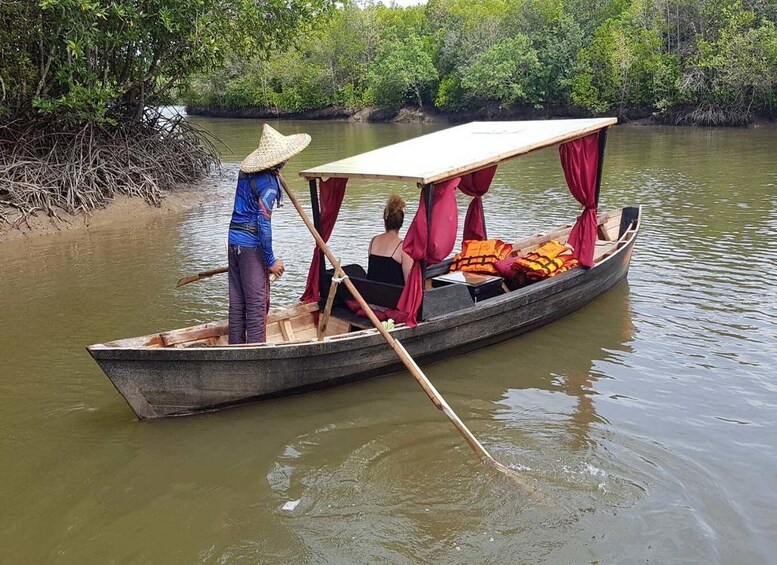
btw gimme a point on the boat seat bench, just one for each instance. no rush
(436, 302)
(374, 292)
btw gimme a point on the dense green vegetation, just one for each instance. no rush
(684, 61)
(79, 81)
(97, 60)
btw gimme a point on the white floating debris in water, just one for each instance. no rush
(290, 505)
(519, 467)
(595, 471)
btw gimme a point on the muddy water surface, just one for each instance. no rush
(649, 418)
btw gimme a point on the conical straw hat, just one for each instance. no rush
(274, 148)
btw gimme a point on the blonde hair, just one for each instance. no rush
(394, 212)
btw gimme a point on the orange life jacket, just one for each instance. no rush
(480, 256)
(550, 259)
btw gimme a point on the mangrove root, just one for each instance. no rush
(47, 166)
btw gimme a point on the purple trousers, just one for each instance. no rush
(249, 295)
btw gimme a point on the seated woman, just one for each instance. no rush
(388, 263)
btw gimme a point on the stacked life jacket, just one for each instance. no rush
(480, 256)
(550, 259)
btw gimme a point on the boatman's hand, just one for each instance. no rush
(277, 268)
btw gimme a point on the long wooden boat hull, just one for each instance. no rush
(168, 381)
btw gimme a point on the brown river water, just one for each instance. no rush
(648, 419)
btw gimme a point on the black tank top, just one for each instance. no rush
(385, 269)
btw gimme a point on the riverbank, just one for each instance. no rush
(639, 116)
(121, 210)
(331, 113)
(403, 115)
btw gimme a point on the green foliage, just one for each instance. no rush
(597, 57)
(739, 70)
(450, 94)
(403, 69)
(81, 104)
(85, 60)
(596, 85)
(465, 29)
(328, 66)
(623, 67)
(557, 38)
(503, 73)
(592, 14)
(666, 78)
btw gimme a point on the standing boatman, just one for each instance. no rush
(251, 257)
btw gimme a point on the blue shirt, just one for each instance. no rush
(252, 212)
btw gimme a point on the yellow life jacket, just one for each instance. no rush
(550, 259)
(480, 256)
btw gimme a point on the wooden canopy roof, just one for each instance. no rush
(458, 150)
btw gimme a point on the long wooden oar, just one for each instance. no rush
(400, 350)
(203, 275)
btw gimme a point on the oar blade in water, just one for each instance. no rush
(186, 280)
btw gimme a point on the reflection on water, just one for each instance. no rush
(649, 415)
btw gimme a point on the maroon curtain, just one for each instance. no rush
(476, 185)
(580, 161)
(330, 197)
(427, 245)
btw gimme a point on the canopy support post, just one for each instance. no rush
(316, 209)
(602, 143)
(427, 191)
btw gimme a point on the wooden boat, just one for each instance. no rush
(193, 369)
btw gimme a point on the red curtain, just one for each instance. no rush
(427, 245)
(330, 196)
(476, 185)
(580, 161)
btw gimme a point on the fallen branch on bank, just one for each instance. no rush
(45, 166)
